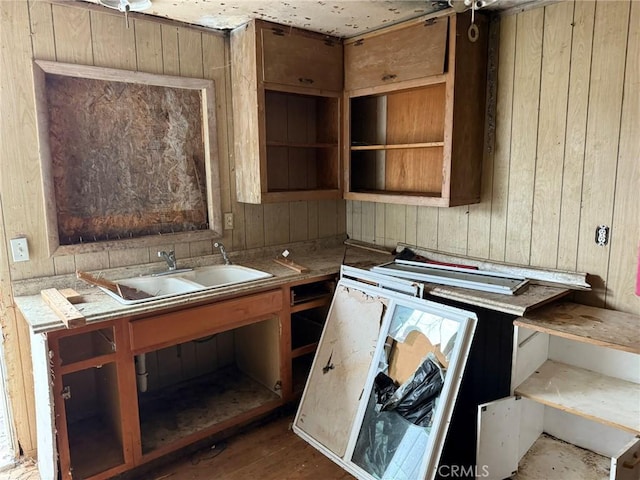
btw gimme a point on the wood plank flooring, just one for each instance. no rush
(268, 452)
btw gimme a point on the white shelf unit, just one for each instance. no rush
(575, 409)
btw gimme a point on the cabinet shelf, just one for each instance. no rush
(553, 458)
(95, 362)
(606, 328)
(611, 401)
(304, 350)
(89, 436)
(186, 409)
(301, 145)
(399, 146)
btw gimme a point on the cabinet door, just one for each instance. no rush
(340, 368)
(416, 51)
(301, 59)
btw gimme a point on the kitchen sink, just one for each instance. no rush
(201, 278)
(222, 275)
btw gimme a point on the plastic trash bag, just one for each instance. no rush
(397, 422)
(416, 399)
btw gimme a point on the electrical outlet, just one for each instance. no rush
(20, 249)
(228, 221)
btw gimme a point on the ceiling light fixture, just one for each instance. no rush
(127, 5)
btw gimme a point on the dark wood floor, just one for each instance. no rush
(270, 451)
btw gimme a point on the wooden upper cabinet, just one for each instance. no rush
(298, 58)
(287, 101)
(415, 113)
(397, 54)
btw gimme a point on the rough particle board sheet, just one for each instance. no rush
(598, 326)
(551, 458)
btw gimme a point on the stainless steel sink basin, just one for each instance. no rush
(222, 275)
(201, 278)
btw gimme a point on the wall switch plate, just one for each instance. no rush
(20, 249)
(228, 221)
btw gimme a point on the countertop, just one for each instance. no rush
(322, 258)
(97, 306)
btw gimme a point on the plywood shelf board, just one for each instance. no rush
(585, 393)
(397, 146)
(301, 145)
(553, 458)
(606, 328)
(304, 350)
(187, 409)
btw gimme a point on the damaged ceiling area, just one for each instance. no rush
(346, 18)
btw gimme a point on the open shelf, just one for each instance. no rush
(85, 346)
(397, 142)
(174, 413)
(553, 458)
(302, 142)
(396, 146)
(306, 328)
(610, 401)
(606, 328)
(303, 295)
(301, 145)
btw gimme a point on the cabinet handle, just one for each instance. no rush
(306, 81)
(389, 76)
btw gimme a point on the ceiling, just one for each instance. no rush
(344, 18)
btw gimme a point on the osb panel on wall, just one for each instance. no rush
(127, 159)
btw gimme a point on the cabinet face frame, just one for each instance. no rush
(342, 450)
(125, 379)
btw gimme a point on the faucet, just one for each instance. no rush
(225, 257)
(170, 258)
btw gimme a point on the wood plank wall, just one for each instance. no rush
(564, 157)
(76, 33)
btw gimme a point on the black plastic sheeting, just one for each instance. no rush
(393, 412)
(415, 400)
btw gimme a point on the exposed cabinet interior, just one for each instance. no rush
(217, 381)
(92, 416)
(309, 305)
(576, 383)
(302, 142)
(287, 119)
(384, 380)
(132, 390)
(403, 150)
(416, 136)
(86, 346)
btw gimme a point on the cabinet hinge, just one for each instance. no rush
(66, 393)
(357, 43)
(278, 31)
